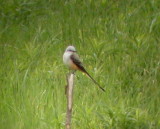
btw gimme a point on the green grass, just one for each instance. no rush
(119, 44)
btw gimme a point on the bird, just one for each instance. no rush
(72, 61)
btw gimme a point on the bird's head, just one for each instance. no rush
(70, 49)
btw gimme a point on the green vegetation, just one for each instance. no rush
(119, 42)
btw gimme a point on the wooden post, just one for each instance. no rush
(69, 93)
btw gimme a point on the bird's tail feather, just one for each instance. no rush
(94, 81)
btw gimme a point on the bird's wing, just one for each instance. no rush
(75, 58)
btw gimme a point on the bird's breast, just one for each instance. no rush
(68, 61)
(66, 58)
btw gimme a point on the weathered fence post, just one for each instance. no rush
(69, 94)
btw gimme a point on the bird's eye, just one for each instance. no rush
(72, 50)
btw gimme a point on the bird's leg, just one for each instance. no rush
(73, 72)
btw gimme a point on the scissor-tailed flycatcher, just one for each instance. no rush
(71, 59)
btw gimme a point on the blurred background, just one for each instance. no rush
(119, 44)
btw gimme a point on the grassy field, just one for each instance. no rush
(119, 43)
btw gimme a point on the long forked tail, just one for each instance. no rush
(78, 65)
(94, 80)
